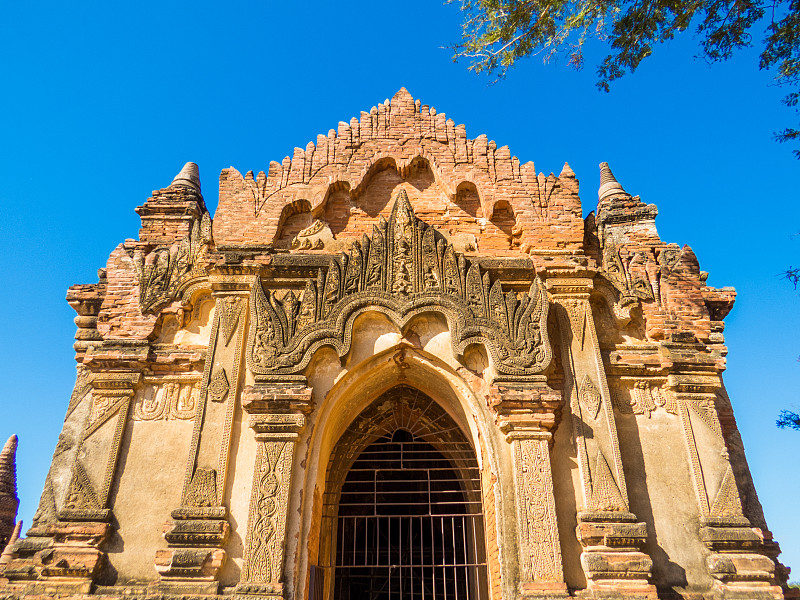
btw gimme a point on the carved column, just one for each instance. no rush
(527, 412)
(610, 534)
(67, 553)
(277, 417)
(199, 528)
(739, 560)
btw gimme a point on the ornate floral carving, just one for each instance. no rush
(404, 269)
(167, 400)
(165, 269)
(630, 279)
(589, 396)
(606, 495)
(81, 494)
(218, 386)
(203, 488)
(705, 410)
(727, 503)
(644, 398)
(230, 309)
(540, 549)
(267, 513)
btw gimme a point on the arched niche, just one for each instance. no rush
(499, 232)
(468, 199)
(295, 217)
(402, 507)
(351, 392)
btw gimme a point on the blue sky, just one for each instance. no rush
(100, 103)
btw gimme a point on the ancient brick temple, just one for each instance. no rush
(400, 365)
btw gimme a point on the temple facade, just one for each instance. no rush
(399, 365)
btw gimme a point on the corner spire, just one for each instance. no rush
(6, 556)
(8, 468)
(9, 502)
(188, 177)
(609, 186)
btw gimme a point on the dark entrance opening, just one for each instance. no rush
(408, 519)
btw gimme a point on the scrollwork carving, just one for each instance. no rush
(405, 268)
(539, 545)
(166, 400)
(165, 269)
(589, 396)
(267, 513)
(629, 279)
(644, 398)
(218, 386)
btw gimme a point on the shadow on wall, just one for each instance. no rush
(667, 575)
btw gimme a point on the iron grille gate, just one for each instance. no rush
(410, 523)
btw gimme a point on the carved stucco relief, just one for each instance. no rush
(170, 399)
(539, 546)
(267, 518)
(217, 394)
(405, 268)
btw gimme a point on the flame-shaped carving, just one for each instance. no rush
(404, 269)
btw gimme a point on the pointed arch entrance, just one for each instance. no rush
(402, 511)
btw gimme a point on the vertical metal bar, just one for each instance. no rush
(411, 556)
(433, 559)
(444, 561)
(430, 509)
(422, 554)
(464, 537)
(453, 535)
(466, 558)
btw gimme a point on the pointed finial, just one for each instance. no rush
(402, 93)
(567, 171)
(609, 186)
(6, 556)
(8, 468)
(402, 101)
(9, 502)
(188, 177)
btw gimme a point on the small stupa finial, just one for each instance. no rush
(9, 502)
(188, 177)
(6, 555)
(609, 185)
(8, 468)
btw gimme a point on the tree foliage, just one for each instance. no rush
(788, 420)
(496, 33)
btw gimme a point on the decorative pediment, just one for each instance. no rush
(405, 268)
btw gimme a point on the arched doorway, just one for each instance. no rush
(402, 514)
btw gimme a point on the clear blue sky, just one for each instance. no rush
(102, 102)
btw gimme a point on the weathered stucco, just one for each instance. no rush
(221, 364)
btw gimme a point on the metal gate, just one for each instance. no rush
(409, 524)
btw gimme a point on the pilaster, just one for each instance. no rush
(740, 560)
(277, 417)
(199, 529)
(65, 556)
(527, 412)
(611, 536)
